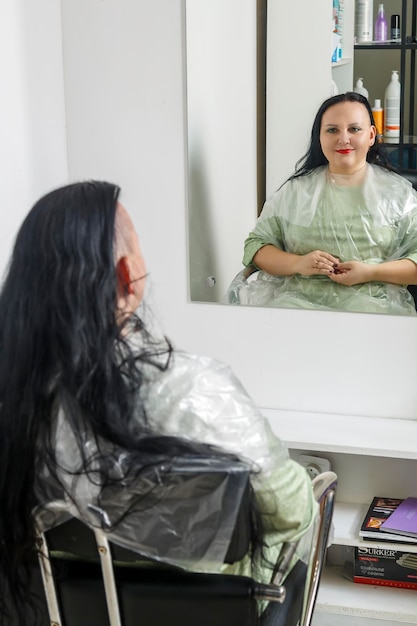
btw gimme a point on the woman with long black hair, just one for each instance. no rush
(88, 397)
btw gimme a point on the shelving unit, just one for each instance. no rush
(371, 456)
(407, 70)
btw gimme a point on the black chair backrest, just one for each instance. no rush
(152, 595)
(121, 588)
(149, 592)
(74, 539)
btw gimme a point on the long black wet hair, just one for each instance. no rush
(314, 157)
(61, 338)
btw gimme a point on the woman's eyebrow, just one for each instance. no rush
(350, 124)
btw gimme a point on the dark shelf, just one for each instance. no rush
(379, 46)
(385, 46)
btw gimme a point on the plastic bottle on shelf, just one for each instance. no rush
(392, 106)
(381, 25)
(359, 88)
(378, 113)
(364, 10)
(395, 28)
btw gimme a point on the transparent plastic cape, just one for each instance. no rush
(200, 399)
(371, 218)
(181, 512)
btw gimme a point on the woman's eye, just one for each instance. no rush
(331, 130)
(354, 129)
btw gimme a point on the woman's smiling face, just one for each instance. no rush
(346, 134)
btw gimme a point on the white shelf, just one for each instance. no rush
(348, 434)
(344, 61)
(347, 519)
(341, 596)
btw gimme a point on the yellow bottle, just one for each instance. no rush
(378, 113)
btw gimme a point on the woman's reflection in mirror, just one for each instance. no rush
(341, 232)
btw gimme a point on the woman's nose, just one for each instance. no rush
(344, 137)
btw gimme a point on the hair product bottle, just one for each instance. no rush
(378, 113)
(381, 25)
(359, 88)
(395, 28)
(392, 106)
(364, 10)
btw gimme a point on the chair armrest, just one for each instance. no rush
(324, 488)
(238, 282)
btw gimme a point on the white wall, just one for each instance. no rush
(295, 85)
(221, 98)
(125, 99)
(32, 120)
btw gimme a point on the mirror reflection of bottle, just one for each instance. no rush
(378, 113)
(392, 106)
(395, 28)
(359, 88)
(364, 21)
(381, 25)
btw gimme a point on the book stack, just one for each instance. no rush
(394, 520)
(403, 521)
(373, 526)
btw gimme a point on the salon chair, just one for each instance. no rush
(242, 277)
(89, 580)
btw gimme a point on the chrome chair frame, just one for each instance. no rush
(324, 487)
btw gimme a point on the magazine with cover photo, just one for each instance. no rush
(379, 511)
(403, 521)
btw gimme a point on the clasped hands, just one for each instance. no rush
(348, 273)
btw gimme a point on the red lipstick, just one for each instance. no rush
(346, 151)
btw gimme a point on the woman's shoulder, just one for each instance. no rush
(294, 190)
(199, 369)
(304, 180)
(190, 373)
(389, 177)
(391, 193)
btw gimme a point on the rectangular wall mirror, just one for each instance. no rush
(253, 89)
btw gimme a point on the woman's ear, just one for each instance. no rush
(124, 279)
(372, 136)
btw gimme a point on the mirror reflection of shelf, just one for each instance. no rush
(407, 139)
(381, 45)
(344, 61)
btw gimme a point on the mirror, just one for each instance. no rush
(237, 154)
(296, 361)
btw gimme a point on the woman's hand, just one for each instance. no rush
(352, 273)
(398, 272)
(316, 262)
